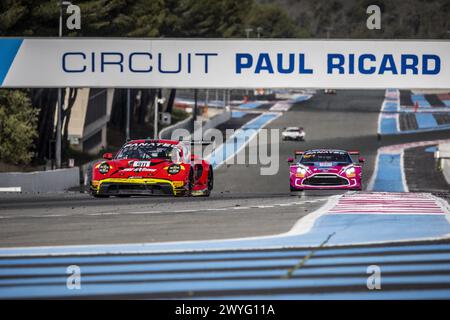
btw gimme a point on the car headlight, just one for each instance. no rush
(350, 171)
(301, 172)
(103, 168)
(173, 169)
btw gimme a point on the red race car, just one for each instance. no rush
(147, 167)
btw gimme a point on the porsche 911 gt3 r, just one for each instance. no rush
(325, 169)
(146, 167)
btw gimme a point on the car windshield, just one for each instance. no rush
(312, 157)
(293, 130)
(145, 151)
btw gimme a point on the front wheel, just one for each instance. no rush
(190, 183)
(100, 196)
(187, 191)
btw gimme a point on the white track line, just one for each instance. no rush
(247, 141)
(99, 214)
(11, 189)
(305, 224)
(302, 226)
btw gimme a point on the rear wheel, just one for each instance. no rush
(210, 182)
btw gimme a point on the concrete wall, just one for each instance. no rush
(166, 133)
(444, 154)
(42, 181)
(215, 121)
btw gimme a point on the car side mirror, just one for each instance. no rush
(361, 160)
(290, 160)
(108, 156)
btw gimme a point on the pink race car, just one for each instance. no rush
(325, 169)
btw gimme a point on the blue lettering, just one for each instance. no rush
(189, 63)
(302, 68)
(93, 61)
(351, 68)
(168, 71)
(290, 67)
(263, 63)
(361, 62)
(240, 63)
(206, 55)
(339, 65)
(388, 64)
(425, 66)
(104, 62)
(412, 65)
(130, 61)
(64, 64)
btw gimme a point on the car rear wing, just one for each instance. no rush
(350, 152)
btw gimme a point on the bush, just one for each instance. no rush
(18, 123)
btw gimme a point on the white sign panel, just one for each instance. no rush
(171, 63)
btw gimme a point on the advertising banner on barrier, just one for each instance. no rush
(188, 63)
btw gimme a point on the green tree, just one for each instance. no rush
(273, 20)
(18, 122)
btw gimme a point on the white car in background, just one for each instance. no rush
(293, 133)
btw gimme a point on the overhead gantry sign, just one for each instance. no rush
(189, 63)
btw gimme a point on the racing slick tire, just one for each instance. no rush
(190, 185)
(210, 182)
(100, 195)
(295, 190)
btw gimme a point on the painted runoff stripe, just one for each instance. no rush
(240, 139)
(445, 98)
(388, 121)
(391, 203)
(285, 105)
(389, 172)
(254, 265)
(238, 114)
(420, 100)
(426, 120)
(238, 274)
(388, 118)
(251, 105)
